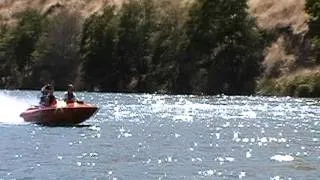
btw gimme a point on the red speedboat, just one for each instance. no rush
(60, 114)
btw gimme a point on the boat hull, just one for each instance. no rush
(67, 114)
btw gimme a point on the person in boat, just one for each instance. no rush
(47, 98)
(70, 96)
(51, 98)
(44, 94)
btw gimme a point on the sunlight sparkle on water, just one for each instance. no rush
(282, 158)
(242, 175)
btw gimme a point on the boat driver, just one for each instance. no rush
(69, 96)
(47, 98)
(44, 94)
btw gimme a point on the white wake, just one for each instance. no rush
(10, 109)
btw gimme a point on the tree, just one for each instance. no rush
(168, 45)
(97, 50)
(133, 47)
(17, 45)
(25, 36)
(5, 65)
(313, 9)
(225, 41)
(56, 57)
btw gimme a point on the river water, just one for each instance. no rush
(143, 136)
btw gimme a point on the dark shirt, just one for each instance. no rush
(69, 97)
(43, 98)
(51, 99)
(47, 100)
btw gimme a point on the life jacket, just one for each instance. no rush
(52, 100)
(43, 98)
(69, 97)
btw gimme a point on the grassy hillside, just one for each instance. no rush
(291, 63)
(270, 14)
(274, 14)
(10, 8)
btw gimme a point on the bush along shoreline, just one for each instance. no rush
(146, 46)
(302, 83)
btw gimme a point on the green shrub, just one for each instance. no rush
(266, 87)
(303, 90)
(303, 83)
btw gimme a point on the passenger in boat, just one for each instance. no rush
(51, 99)
(47, 98)
(69, 96)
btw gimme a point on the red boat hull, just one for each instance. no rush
(61, 114)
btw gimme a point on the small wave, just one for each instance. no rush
(248, 114)
(209, 172)
(282, 158)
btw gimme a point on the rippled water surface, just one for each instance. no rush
(141, 136)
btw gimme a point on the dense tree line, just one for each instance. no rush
(151, 46)
(171, 46)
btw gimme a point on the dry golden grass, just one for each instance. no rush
(8, 8)
(307, 72)
(272, 14)
(277, 58)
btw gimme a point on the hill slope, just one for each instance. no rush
(9, 8)
(287, 23)
(280, 14)
(270, 14)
